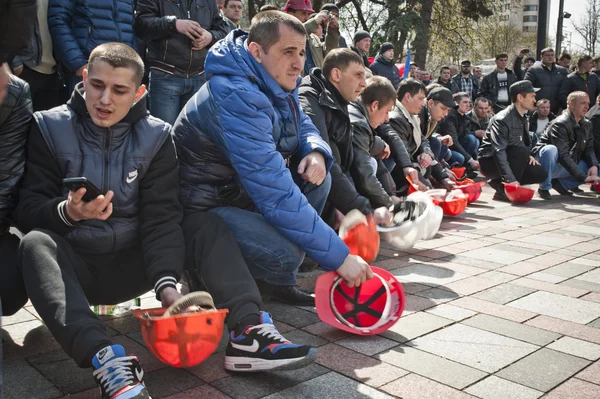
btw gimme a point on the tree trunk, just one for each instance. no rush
(421, 42)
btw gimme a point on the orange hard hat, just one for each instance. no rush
(359, 232)
(186, 339)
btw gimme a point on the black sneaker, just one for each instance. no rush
(263, 348)
(544, 194)
(500, 195)
(559, 188)
(576, 190)
(119, 376)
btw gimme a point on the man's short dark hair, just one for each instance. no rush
(432, 86)
(547, 50)
(269, 7)
(501, 55)
(444, 67)
(118, 55)
(585, 58)
(530, 59)
(341, 59)
(378, 89)
(564, 56)
(597, 59)
(542, 101)
(457, 97)
(227, 2)
(264, 29)
(411, 86)
(479, 100)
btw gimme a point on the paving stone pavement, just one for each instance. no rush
(504, 303)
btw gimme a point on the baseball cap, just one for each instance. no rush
(465, 63)
(522, 87)
(369, 309)
(298, 5)
(442, 95)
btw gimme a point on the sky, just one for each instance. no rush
(577, 9)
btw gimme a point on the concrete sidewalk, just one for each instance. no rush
(503, 303)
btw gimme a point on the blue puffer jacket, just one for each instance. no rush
(239, 128)
(77, 26)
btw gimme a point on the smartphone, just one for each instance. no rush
(75, 183)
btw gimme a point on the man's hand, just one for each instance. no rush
(447, 140)
(333, 23)
(474, 164)
(451, 175)
(386, 152)
(312, 168)
(383, 216)
(100, 208)
(533, 161)
(191, 29)
(412, 173)
(355, 271)
(480, 133)
(4, 79)
(523, 52)
(322, 17)
(424, 160)
(168, 296)
(594, 179)
(202, 41)
(79, 72)
(593, 171)
(448, 184)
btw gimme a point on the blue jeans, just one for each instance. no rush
(168, 93)
(269, 254)
(548, 157)
(471, 144)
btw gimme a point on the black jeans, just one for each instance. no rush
(47, 91)
(518, 159)
(12, 290)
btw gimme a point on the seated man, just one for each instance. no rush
(430, 116)
(480, 116)
(465, 143)
(410, 149)
(594, 116)
(566, 149)
(504, 154)
(539, 120)
(128, 239)
(248, 153)
(15, 119)
(367, 113)
(324, 96)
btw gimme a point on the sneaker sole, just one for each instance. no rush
(251, 364)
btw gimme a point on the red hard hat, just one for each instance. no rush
(369, 309)
(181, 340)
(518, 194)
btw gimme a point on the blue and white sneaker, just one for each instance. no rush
(119, 376)
(263, 348)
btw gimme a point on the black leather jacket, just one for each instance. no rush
(364, 141)
(15, 119)
(458, 126)
(507, 129)
(169, 50)
(574, 142)
(329, 112)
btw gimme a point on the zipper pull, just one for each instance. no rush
(189, 16)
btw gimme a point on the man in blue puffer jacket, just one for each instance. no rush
(78, 26)
(248, 153)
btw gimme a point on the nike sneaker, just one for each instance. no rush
(263, 348)
(119, 376)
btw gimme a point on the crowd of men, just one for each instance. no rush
(239, 158)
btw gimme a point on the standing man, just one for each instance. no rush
(233, 11)
(495, 85)
(384, 64)
(178, 36)
(478, 73)
(522, 63)
(78, 26)
(334, 22)
(504, 154)
(249, 154)
(566, 149)
(548, 77)
(466, 81)
(596, 68)
(362, 43)
(581, 80)
(564, 60)
(445, 79)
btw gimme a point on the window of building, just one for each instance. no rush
(529, 28)
(530, 8)
(530, 18)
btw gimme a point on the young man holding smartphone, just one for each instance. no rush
(129, 239)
